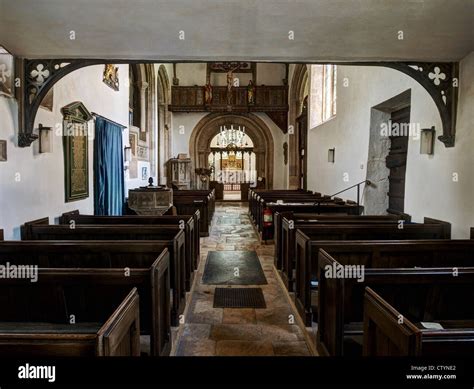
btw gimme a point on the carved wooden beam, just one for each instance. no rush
(441, 80)
(38, 77)
(175, 79)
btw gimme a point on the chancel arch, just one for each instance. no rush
(256, 129)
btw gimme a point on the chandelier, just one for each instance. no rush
(231, 138)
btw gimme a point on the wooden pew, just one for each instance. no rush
(388, 265)
(274, 203)
(35, 319)
(189, 223)
(472, 232)
(209, 194)
(386, 335)
(171, 237)
(285, 242)
(280, 236)
(255, 195)
(307, 246)
(188, 201)
(120, 265)
(326, 208)
(25, 229)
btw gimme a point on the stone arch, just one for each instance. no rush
(256, 129)
(164, 121)
(299, 85)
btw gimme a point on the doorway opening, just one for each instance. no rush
(232, 163)
(387, 157)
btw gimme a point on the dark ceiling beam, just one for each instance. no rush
(38, 76)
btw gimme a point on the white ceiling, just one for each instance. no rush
(324, 30)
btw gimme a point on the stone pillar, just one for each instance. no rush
(143, 105)
(293, 152)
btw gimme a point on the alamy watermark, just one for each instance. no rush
(411, 129)
(31, 372)
(75, 129)
(236, 176)
(19, 271)
(336, 270)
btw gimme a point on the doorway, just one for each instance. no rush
(302, 128)
(396, 159)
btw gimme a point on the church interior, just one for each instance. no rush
(205, 178)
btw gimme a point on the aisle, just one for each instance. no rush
(209, 331)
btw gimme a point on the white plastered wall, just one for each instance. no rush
(430, 189)
(32, 184)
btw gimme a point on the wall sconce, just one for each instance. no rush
(45, 139)
(332, 155)
(3, 150)
(427, 139)
(127, 152)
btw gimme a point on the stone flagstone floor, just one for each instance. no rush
(209, 331)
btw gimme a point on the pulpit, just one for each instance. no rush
(179, 173)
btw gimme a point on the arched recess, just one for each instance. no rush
(256, 129)
(164, 121)
(144, 90)
(298, 92)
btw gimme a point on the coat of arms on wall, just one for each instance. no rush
(111, 76)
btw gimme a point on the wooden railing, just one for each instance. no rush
(273, 98)
(231, 187)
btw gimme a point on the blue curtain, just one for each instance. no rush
(109, 186)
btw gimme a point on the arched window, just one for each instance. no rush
(323, 94)
(134, 100)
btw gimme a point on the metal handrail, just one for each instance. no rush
(367, 182)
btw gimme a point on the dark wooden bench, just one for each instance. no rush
(307, 247)
(171, 237)
(117, 264)
(388, 265)
(385, 334)
(323, 208)
(189, 223)
(255, 194)
(60, 315)
(285, 241)
(268, 202)
(187, 202)
(284, 235)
